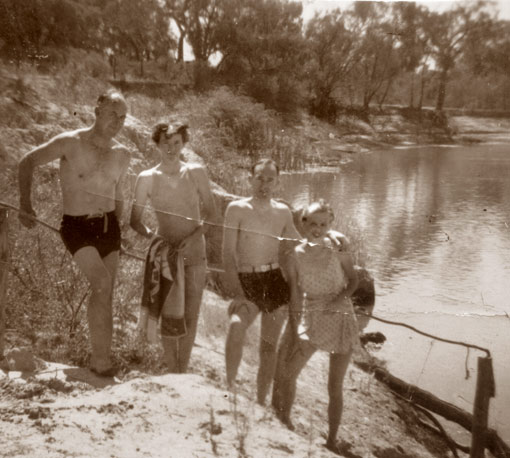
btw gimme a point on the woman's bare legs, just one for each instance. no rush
(338, 364)
(292, 358)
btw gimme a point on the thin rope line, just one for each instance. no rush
(426, 334)
(395, 323)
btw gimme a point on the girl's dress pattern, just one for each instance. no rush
(328, 321)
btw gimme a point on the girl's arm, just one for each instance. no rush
(350, 272)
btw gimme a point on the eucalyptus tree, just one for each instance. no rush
(28, 28)
(448, 34)
(137, 28)
(197, 22)
(333, 45)
(378, 60)
(262, 49)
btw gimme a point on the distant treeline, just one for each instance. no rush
(342, 60)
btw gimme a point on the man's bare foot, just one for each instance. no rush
(285, 419)
(341, 448)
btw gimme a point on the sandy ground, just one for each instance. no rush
(65, 411)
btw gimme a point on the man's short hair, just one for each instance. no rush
(169, 130)
(111, 95)
(264, 162)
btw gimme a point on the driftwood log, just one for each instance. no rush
(432, 403)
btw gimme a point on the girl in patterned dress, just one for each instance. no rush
(321, 281)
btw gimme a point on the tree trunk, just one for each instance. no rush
(411, 92)
(180, 52)
(441, 94)
(4, 267)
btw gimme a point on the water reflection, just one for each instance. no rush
(435, 225)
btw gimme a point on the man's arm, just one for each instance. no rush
(206, 196)
(350, 272)
(142, 190)
(296, 296)
(119, 195)
(229, 249)
(290, 234)
(48, 152)
(340, 240)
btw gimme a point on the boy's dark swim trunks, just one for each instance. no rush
(267, 290)
(100, 232)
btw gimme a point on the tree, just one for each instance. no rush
(137, 28)
(197, 21)
(29, 27)
(334, 52)
(262, 49)
(447, 36)
(378, 61)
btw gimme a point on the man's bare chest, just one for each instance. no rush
(261, 224)
(90, 166)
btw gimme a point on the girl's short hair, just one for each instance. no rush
(169, 130)
(318, 207)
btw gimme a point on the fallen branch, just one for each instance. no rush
(432, 403)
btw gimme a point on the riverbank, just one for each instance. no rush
(66, 411)
(50, 320)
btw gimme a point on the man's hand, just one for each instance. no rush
(339, 240)
(27, 218)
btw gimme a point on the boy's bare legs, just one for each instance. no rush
(240, 321)
(101, 274)
(338, 364)
(178, 351)
(292, 358)
(270, 329)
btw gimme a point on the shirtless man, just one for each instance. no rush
(254, 227)
(175, 190)
(92, 165)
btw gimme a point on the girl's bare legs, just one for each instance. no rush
(338, 364)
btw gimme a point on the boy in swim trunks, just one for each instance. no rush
(181, 196)
(254, 228)
(92, 166)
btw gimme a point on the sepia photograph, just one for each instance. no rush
(255, 228)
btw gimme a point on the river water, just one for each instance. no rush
(434, 224)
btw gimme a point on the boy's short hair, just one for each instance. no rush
(265, 161)
(318, 207)
(169, 130)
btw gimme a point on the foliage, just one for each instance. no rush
(262, 51)
(29, 27)
(137, 28)
(197, 21)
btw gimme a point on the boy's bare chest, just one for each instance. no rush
(171, 191)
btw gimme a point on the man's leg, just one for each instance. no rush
(337, 368)
(240, 321)
(270, 329)
(100, 273)
(178, 351)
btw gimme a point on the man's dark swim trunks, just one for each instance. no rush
(101, 232)
(267, 290)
